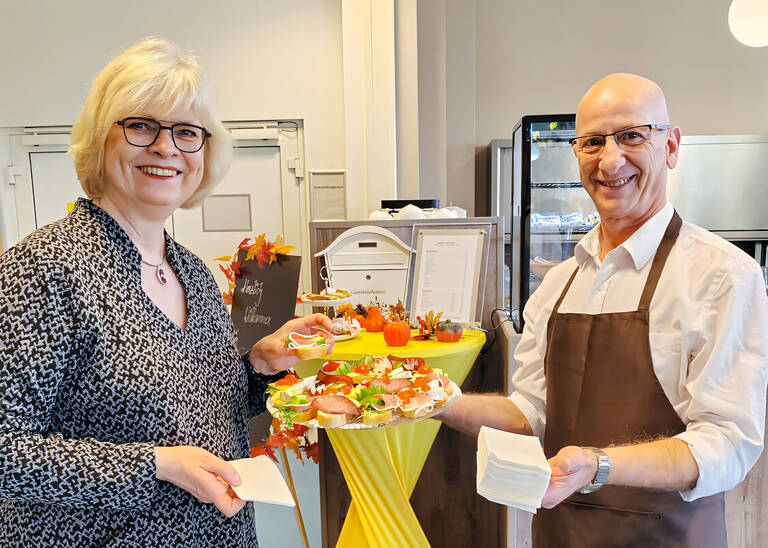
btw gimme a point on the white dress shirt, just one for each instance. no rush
(708, 338)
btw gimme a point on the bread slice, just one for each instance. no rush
(305, 416)
(310, 352)
(327, 420)
(375, 419)
(416, 412)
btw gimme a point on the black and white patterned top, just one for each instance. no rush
(93, 375)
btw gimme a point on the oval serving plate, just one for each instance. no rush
(400, 419)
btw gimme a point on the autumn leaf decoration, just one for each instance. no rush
(260, 249)
(292, 439)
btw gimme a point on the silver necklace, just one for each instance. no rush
(162, 277)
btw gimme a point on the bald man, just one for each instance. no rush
(642, 364)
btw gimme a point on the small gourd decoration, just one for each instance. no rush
(397, 333)
(448, 331)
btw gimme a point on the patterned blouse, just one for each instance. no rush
(93, 375)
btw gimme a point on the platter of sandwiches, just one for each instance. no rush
(327, 297)
(367, 393)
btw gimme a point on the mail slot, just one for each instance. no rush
(369, 261)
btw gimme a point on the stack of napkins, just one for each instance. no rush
(511, 469)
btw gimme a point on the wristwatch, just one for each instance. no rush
(603, 467)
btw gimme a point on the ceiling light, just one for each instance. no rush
(748, 20)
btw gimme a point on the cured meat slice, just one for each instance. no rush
(445, 380)
(409, 364)
(388, 401)
(395, 385)
(378, 382)
(419, 402)
(335, 405)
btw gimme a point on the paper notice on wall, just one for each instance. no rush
(447, 273)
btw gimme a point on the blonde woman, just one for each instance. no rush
(122, 394)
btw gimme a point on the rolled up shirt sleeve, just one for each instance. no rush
(529, 380)
(726, 381)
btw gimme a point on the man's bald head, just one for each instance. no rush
(633, 92)
(626, 180)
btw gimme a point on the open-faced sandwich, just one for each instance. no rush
(306, 347)
(345, 327)
(373, 391)
(328, 294)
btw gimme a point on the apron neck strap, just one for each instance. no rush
(567, 287)
(667, 241)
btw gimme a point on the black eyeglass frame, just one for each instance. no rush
(206, 134)
(661, 127)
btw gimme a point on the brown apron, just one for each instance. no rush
(602, 390)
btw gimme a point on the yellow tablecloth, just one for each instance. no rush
(382, 465)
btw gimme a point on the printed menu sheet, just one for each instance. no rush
(447, 273)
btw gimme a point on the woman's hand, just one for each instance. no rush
(270, 355)
(201, 473)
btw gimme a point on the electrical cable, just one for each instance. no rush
(494, 328)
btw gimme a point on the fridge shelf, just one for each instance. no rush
(551, 237)
(574, 184)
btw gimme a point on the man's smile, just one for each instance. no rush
(613, 183)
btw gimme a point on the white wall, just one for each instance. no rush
(540, 57)
(269, 59)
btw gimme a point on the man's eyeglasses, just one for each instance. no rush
(628, 139)
(143, 132)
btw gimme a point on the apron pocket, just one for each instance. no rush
(654, 515)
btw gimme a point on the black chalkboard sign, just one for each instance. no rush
(264, 298)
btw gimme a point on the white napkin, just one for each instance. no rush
(511, 469)
(262, 481)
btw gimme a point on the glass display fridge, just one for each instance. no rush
(550, 210)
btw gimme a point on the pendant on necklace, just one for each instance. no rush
(161, 276)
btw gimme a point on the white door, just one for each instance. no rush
(45, 185)
(53, 201)
(247, 202)
(262, 193)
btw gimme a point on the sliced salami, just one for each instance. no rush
(335, 405)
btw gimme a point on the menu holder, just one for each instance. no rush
(447, 273)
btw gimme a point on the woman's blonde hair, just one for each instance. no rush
(149, 73)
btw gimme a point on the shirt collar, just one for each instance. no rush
(641, 245)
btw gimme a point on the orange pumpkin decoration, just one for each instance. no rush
(375, 322)
(397, 333)
(448, 331)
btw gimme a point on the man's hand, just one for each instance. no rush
(203, 474)
(270, 355)
(572, 469)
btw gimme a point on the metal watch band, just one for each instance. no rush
(603, 468)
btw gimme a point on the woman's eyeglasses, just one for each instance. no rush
(143, 132)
